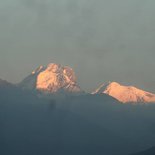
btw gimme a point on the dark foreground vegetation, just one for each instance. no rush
(81, 125)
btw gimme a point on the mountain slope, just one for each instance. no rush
(4, 84)
(150, 151)
(52, 79)
(86, 124)
(82, 124)
(125, 94)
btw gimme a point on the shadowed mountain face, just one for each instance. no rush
(4, 84)
(150, 151)
(86, 124)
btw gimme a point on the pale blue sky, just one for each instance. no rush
(102, 40)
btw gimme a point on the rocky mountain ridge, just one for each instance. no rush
(125, 94)
(55, 78)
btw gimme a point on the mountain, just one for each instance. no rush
(78, 124)
(87, 124)
(6, 88)
(150, 151)
(125, 94)
(4, 84)
(53, 78)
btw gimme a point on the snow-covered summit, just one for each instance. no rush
(39, 69)
(125, 94)
(52, 78)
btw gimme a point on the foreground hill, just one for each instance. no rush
(150, 151)
(85, 124)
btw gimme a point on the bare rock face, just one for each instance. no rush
(52, 79)
(125, 94)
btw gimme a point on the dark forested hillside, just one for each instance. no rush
(87, 124)
(150, 151)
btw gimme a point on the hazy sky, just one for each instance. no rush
(102, 40)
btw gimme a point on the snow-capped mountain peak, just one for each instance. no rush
(39, 69)
(52, 78)
(125, 94)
